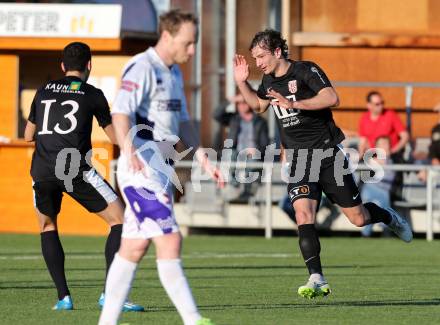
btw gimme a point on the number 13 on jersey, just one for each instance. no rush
(70, 116)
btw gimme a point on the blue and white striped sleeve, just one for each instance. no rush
(135, 86)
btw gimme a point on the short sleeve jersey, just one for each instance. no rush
(302, 129)
(152, 95)
(63, 111)
(387, 124)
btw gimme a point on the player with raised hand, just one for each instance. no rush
(148, 115)
(60, 123)
(302, 96)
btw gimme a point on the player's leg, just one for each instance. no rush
(96, 195)
(93, 192)
(173, 279)
(346, 195)
(305, 211)
(307, 234)
(120, 276)
(47, 206)
(370, 213)
(113, 214)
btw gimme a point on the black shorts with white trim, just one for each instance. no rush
(89, 189)
(315, 172)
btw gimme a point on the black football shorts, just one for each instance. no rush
(330, 175)
(89, 189)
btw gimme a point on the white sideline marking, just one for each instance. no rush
(185, 256)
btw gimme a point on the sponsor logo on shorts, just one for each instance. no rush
(299, 191)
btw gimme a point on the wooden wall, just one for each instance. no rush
(398, 17)
(16, 195)
(8, 95)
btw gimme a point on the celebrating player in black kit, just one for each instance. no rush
(60, 122)
(301, 96)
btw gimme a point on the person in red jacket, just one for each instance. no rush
(381, 122)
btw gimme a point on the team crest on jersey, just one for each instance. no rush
(292, 86)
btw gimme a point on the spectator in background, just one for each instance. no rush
(379, 192)
(434, 147)
(249, 133)
(379, 122)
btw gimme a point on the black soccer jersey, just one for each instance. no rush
(63, 111)
(301, 129)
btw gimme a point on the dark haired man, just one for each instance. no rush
(302, 96)
(150, 111)
(60, 122)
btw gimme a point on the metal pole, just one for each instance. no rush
(231, 12)
(198, 67)
(285, 20)
(268, 212)
(408, 103)
(429, 214)
(215, 68)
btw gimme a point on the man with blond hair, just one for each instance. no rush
(149, 111)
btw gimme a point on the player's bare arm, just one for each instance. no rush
(191, 140)
(29, 131)
(241, 74)
(121, 125)
(110, 132)
(326, 97)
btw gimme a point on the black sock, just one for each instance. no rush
(53, 254)
(112, 245)
(310, 247)
(377, 214)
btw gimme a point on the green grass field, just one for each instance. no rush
(236, 280)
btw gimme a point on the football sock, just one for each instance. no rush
(174, 281)
(112, 245)
(117, 287)
(53, 254)
(310, 247)
(377, 214)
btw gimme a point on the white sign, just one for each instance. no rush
(60, 20)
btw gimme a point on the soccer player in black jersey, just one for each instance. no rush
(302, 96)
(60, 123)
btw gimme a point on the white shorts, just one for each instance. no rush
(149, 199)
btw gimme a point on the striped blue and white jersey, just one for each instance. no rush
(152, 94)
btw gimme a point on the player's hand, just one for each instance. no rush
(135, 165)
(281, 100)
(217, 175)
(241, 68)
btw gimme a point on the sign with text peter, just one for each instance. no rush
(60, 20)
